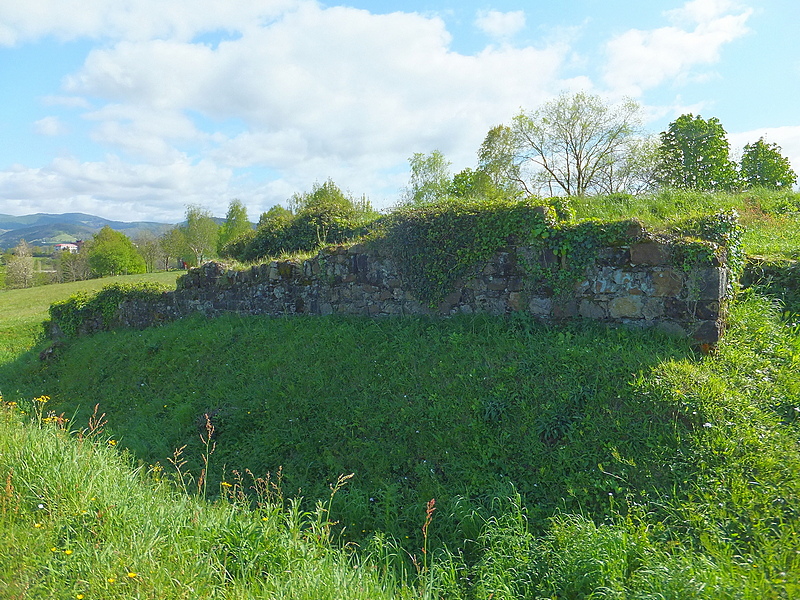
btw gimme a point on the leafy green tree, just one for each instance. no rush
(764, 166)
(277, 216)
(236, 224)
(571, 145)
(694, 154)
(19, 268)
(325, 215)
(201, 233)
(173, 245)
(149, 247)
(113, 253)
(429, 180)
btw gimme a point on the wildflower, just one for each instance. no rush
(53, 549)
(37, 525)
(67, 552)
(111, 580)
(226, 484)
(42, 399)
(131, 575)
(112, 442)
(79, 596)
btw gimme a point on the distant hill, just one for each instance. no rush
(42, 229)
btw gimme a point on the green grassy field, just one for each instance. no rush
(23, 311)
(565, 462)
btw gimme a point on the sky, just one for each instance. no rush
(133, 109)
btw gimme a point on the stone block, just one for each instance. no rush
(650, 253)
(541, 307)
(625, 307)
(667, 282)
(592, 310)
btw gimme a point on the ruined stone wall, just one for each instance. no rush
(632, 285)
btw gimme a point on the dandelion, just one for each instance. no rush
(111, 579)
(131, 575)
(67, 552)
(37, 525)
(79, 596)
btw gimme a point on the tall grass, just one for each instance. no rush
(80, 521)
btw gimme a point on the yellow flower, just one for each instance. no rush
(131, 575)
(37, 525)
(79, 596)
(112, 442)
(111, 580)
(53, 549)
(67, 552)
(42, 399)
(226, 484)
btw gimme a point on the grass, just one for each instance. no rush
(79, 521)
(570, 462)
(23, 311)
(771, 219)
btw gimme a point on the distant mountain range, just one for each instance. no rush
(44, 229)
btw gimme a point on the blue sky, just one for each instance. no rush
(133, 109)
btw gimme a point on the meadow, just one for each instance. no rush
(490, 457)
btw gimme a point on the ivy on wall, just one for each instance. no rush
(71, 314)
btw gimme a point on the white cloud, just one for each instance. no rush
(50, 126)
(500, 25)
(132, 19)
(115, 189)
(640, 60)
(319, 93)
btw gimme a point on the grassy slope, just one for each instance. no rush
(687, 465)
(24, 310)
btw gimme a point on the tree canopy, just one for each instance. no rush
(200, 233)
(111, 252)
(763, 165)
(430, 177)
(694, 154)
(236, 224)
(572, 145)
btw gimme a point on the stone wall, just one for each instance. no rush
(633, 285)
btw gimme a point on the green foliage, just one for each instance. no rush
(712, 240)
(113, 253)
(200, 233)
(324, 216)
(694, 154)
(429, 180)
(764, 166)
(436, 244)
(72, 314)
(236, 224)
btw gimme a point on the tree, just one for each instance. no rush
(277, 216)
(19, 269)
(764, 166)
(113, 253)
(149, 248)
(201, 232)
(570, 145)
(235, 225)
(430, 177)
(694, 154)
(73, 266)
(173, 245)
